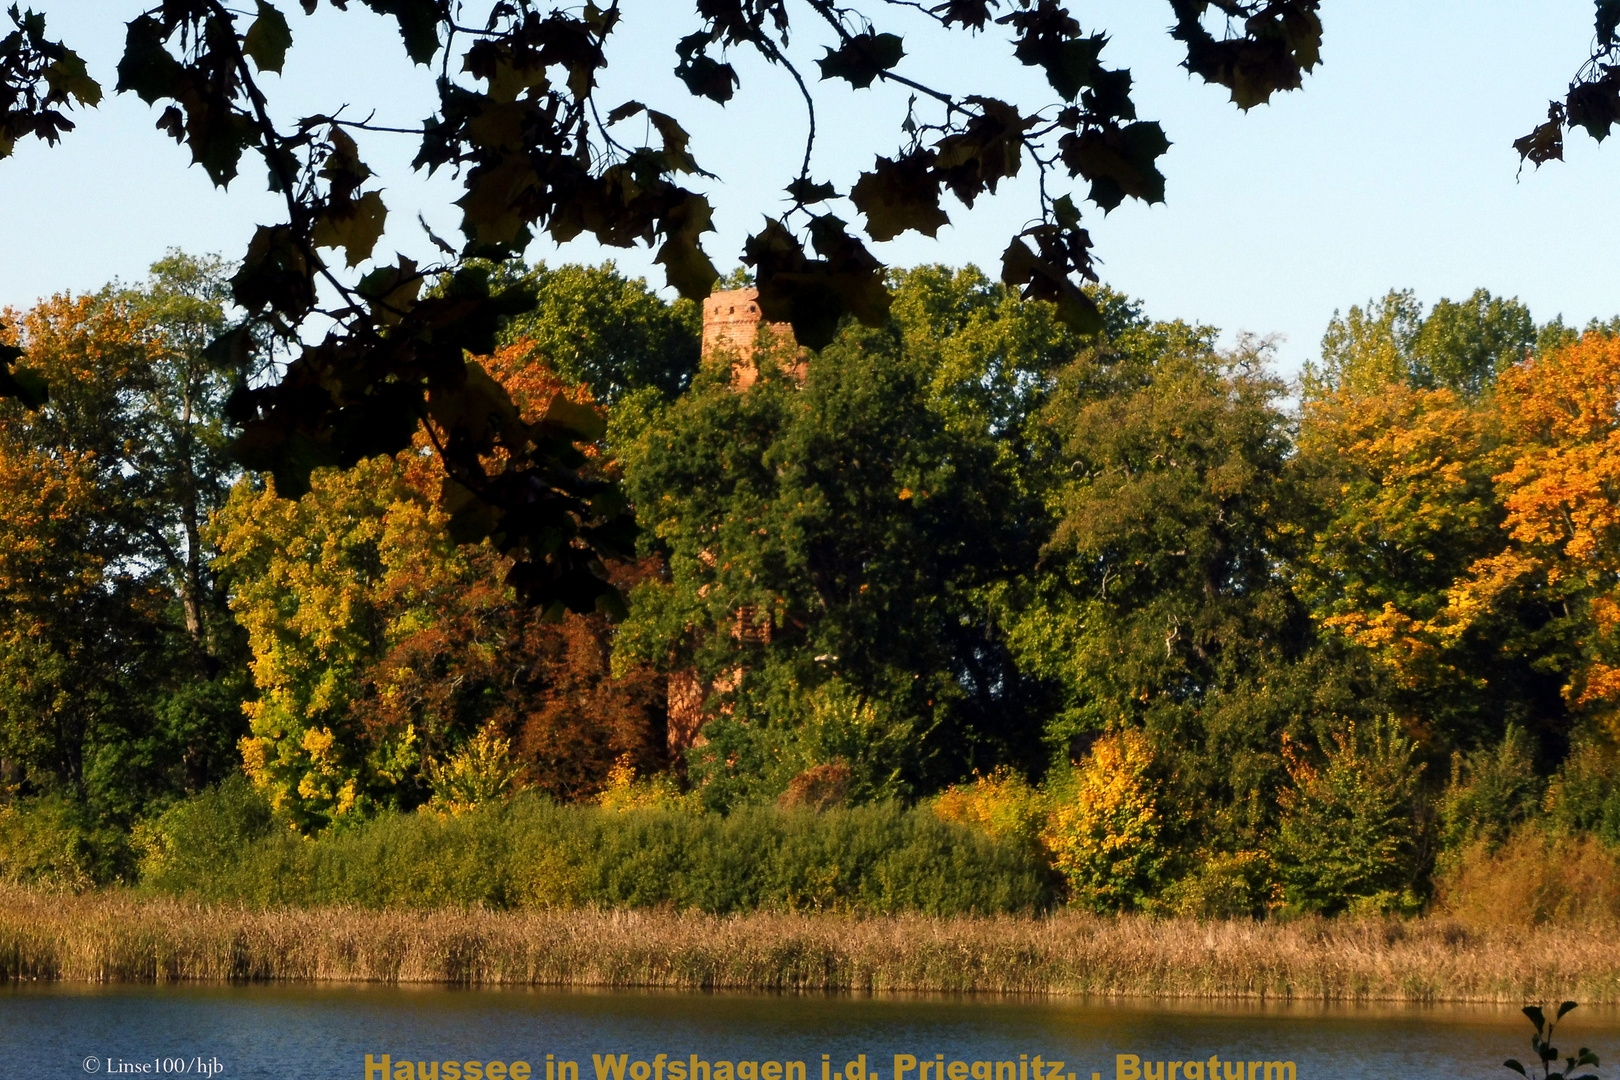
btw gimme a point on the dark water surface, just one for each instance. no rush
(317, 1032)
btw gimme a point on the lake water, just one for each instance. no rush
(316, 1032)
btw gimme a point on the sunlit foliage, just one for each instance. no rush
(1167, 637)
(1107, 838)
(382, 650)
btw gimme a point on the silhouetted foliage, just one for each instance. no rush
(520, 123)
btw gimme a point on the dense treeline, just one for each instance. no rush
(1176, 635)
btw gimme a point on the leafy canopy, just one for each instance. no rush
(392, 664)
(121, 671)
(1461, 346)
(832, 541)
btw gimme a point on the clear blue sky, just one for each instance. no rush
(1392, 168)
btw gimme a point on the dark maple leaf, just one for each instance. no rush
(900, 195)
(862, 58)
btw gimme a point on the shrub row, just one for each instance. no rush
(531, 853)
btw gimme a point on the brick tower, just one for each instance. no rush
(731, 321)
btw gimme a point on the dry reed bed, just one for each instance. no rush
(114, 937)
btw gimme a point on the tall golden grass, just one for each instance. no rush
(1532, 879)
(117, 936)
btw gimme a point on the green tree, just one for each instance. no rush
(1492, 791)
(1161, 601)
(179, 451)
(1350, 834)
(592, 325)
(1463, 346)
(1459, 346)
(1368, 348)
(1584, 795)
(833, 544)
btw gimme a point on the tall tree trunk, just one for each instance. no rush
(191, 583)
(191, 579)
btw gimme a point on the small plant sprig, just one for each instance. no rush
(1546, 1053)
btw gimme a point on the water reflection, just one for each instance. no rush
(326, 1031)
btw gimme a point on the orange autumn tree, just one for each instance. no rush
(1407, 474)
(383, 651)
(57, 570)
(1400, 434)
(1560, 416)
(1404, 480)
(55, 584)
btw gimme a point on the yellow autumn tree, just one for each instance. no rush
(1105, 839)
(396, 668)
(306, 574)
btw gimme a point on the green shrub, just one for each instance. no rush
(756, 759)
(1492, 792)
(1585, 795)
(54, 842)
(1224, 885)
(206, 834)
(880, 858)
(1349, 835)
